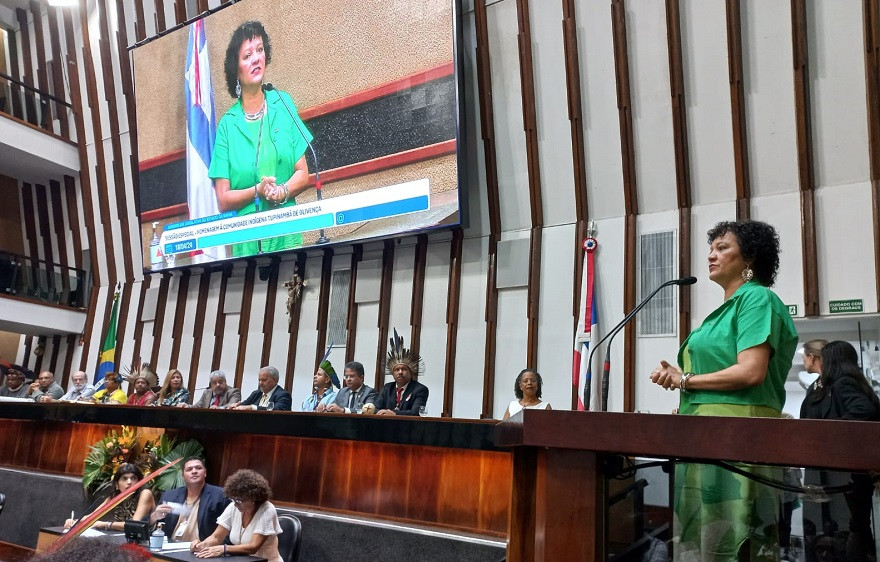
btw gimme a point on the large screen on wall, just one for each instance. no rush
(267, 126)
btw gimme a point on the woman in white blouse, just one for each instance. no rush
(250, 521)
(527, 389)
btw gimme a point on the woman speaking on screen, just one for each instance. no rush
(259, 161)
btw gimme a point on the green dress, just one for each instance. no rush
(720, 515)
(235, 159)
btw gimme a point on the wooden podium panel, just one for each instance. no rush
(558, 499)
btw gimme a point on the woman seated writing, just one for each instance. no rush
(137, 506)
(250, 521)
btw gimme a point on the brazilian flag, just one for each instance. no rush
(108, 350)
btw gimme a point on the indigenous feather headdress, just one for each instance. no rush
(399, 354)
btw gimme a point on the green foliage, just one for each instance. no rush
(117, 448)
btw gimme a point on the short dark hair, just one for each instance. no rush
(758, 245)
(244, 32)
(194, 458)
(126, 468)
(247, 484)
(517, 391)
(356, 366)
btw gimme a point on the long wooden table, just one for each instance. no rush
(48, 536)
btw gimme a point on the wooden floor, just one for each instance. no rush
(13, 552)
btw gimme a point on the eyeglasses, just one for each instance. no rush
(236, 501)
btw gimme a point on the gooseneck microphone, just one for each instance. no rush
(606, 367)
(269, 87)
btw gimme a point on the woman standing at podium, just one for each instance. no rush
(734, 364)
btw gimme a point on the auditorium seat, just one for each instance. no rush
(290, 538)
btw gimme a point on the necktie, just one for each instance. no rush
(399, 394)
(216, 401)
(351, 400)
(264, 400)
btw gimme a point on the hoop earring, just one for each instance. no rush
(747, 274)
(238, 88)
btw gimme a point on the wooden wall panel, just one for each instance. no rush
(293, 326)
(806, 160)
(682, 161)
(99, 165)
(738, 110)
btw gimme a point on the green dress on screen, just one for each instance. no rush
(720, 515)
(235, 159)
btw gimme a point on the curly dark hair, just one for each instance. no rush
(126, 468)
(758, 245)
(517, 391)
(245, 32)
(246, 484)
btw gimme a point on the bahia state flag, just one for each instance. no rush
(581, 378)
(201, 127)
(107, 359)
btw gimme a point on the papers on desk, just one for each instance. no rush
(175, 546)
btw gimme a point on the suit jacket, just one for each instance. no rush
(279, 396)
(230, 396)
(415, 396)
(366, 395)
(212, 502)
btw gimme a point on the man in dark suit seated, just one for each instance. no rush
(355, 393)
(405, 396)
(268, 396)
(198, 505)
(218, 394)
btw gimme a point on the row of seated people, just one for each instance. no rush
(403, 396)
(235, 519)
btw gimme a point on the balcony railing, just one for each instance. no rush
(34, 106)
(51, 283)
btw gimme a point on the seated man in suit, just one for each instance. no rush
(218, 394)
(405, 396)
(202, 505)
(267, 394)
(355, 393)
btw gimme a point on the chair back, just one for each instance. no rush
(290, 538)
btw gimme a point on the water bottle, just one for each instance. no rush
(155, 249)
(157, 539)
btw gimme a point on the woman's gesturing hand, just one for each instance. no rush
(666, 375)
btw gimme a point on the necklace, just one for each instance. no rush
(531, 403)
(257, 114)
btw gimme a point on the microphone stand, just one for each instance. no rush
(606, 366)
(322, 239)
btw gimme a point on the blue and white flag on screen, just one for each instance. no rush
(201, 127)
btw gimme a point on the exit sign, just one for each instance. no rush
(792, 309)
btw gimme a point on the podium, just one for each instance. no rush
(557, 509)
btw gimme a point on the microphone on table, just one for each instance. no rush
(269, 87)
(606, 366)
